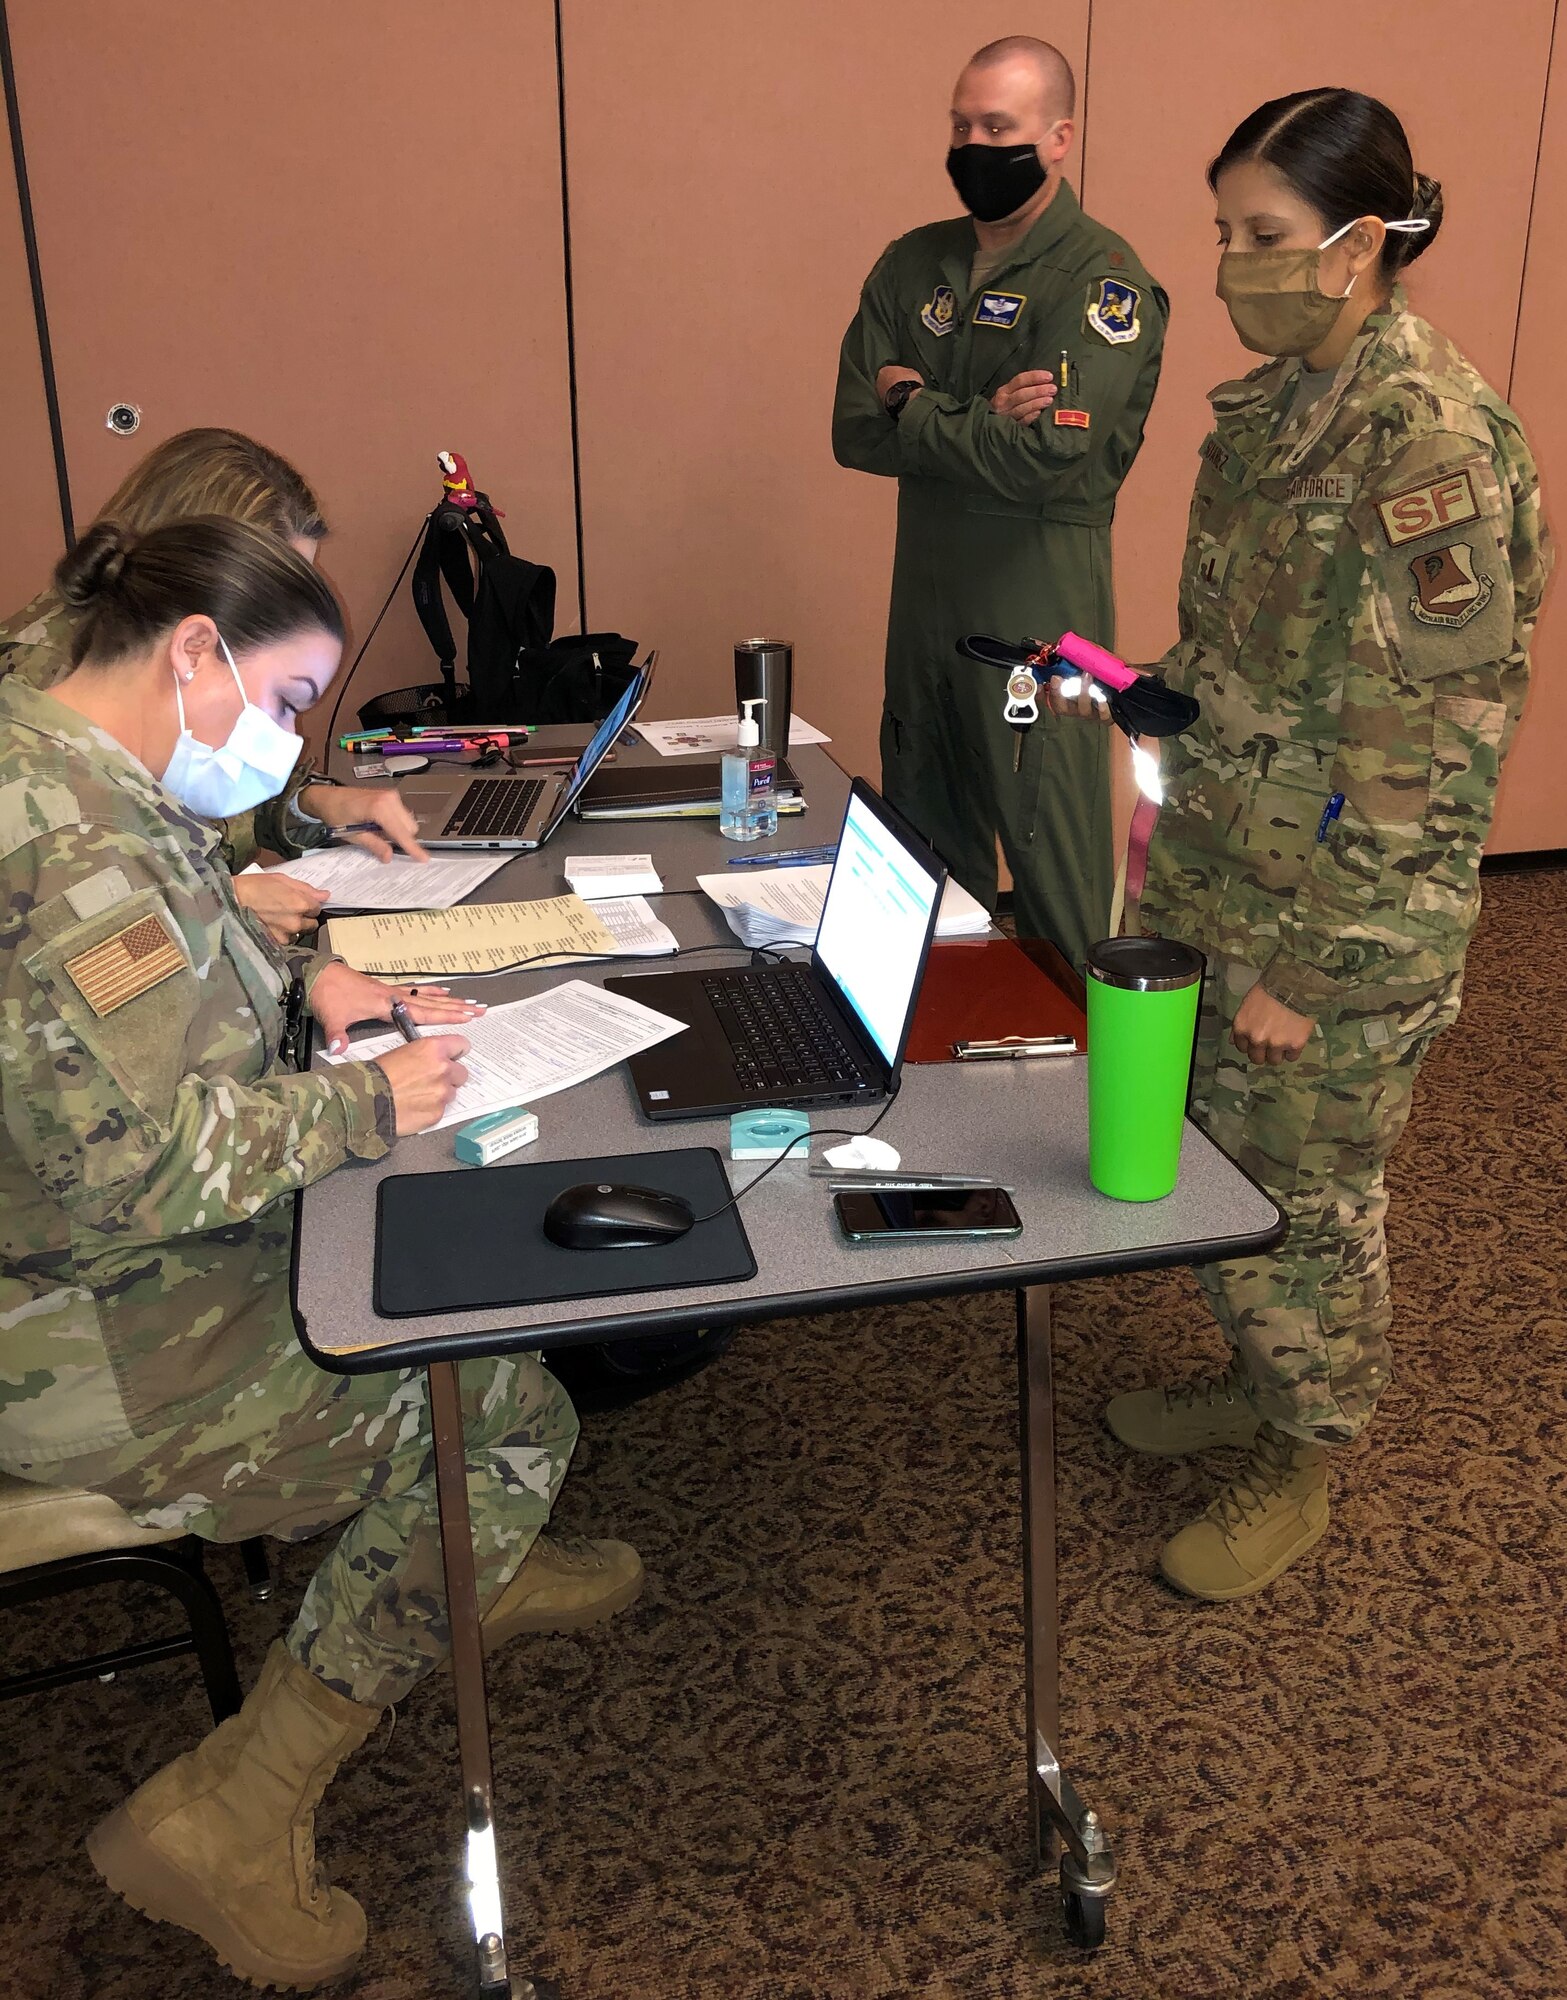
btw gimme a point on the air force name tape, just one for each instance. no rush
(1336, 489)
(1112, 311)
(1000, 309)
(941, 314)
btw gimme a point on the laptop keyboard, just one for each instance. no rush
(780, 1034)
(495, 808)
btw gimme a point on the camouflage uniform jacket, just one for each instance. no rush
(35, 645)
(1360, 585)
(150, 1137)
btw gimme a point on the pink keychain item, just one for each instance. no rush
(1142, 704)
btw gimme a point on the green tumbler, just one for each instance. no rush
(1142, 1017)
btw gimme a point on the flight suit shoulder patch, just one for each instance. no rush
(940, 312)
(1112, 311)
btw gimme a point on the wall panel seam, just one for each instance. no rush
(13, 112)
(571, 317)
(1534, 190)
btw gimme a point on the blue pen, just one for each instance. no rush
(785, 857)
(1330, 812)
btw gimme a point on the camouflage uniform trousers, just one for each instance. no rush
(301, 1451)
(1310, 1319)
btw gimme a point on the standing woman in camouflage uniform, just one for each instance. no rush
(210, 471)
(154, 1132)
(1363, 569)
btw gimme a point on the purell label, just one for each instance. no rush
(761, 774)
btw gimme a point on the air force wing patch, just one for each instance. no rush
(1000, 309)
(941, 315)
(1112, 311)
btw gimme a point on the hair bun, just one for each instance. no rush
(1426, 207)
(92, 569)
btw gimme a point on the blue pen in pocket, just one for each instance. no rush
(1330, 812)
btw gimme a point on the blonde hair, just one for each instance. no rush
(211, 471)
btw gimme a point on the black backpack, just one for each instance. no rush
(517, 669)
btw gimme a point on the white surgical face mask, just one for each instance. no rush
(251, 764)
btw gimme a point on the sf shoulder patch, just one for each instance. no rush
(1112, 311)
(1448, 590)
(135, 959)
(1002, 309)
(940, 315)
(1426, 510)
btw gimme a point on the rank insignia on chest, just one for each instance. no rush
(941, 314)
(135, 959)
(1447, 590)
(1112, 311)
(1001, 309)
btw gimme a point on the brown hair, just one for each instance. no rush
(212, 471)
(134, 588)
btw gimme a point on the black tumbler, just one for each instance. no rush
(765, 668)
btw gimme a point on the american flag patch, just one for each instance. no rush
(141, 956)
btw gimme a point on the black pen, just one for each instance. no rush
(403, 1022)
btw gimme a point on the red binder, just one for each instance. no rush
(979, 989)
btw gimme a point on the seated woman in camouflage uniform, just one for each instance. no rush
(153, 1133)
(1363, 569)
(222, 472)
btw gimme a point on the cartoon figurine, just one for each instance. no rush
(459, 490)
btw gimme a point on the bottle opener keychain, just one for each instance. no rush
(1022, 708)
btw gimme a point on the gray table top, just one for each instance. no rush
(1023, 1123)
(682, 848)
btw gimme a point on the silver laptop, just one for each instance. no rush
(514, 809)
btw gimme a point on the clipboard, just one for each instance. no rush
(979, 989)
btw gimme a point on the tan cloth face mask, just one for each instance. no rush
(1275, 300)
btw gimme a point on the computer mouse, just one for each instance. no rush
(596, 1215)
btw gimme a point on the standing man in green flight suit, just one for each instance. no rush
(1001, 370)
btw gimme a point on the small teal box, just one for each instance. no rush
(484, 1140)
(764, 1134)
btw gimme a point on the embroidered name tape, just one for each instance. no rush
(1427, 510)
(941, 314)
(1335, 488)
(131, 962)
(1112, 311)
(1073, 419)
(1000, 309)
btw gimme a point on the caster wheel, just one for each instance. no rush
(1085, 1919)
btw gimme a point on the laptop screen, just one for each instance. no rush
(603, 738)
(875, 922)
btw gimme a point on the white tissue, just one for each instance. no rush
(875, 1153)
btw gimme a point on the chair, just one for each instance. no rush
(55, 1539)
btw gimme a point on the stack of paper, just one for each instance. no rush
(528, 1049)
(784, 905)
(476, 939)
(636, 930)
(594, 875)
(355, 880)
(711, 735)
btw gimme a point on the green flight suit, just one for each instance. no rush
(1003, 528)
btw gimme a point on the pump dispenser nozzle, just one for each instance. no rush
(750, 730)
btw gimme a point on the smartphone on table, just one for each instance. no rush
(926, 1212)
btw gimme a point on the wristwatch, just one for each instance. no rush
(897, 396)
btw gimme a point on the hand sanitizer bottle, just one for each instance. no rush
(749, 803)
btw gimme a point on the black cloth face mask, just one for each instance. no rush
(995, 181)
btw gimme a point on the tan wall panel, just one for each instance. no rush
(729, 192)
(336, 227)
(1144, 175)
(1532, 810)
(30, 523)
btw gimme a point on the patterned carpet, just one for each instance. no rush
(795, 1770)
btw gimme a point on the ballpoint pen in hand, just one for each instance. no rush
(403, 1022)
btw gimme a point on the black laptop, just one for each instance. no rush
(828, 1032)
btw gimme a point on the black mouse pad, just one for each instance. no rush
(474, 1237)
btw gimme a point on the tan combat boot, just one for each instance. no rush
(566, 1583)
(1210, 1411)
(221, 1841)
(1272, 1512)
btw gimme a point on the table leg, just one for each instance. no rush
(1058, 1815)
(496, 1982)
